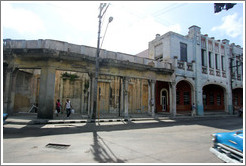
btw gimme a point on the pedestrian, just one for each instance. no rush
(193, 113)
(68, 107)
(58, 107)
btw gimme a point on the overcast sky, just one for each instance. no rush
(133, 26)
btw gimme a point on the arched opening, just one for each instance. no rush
(164, 99)
(162, 96)
(183, 96)
(213, 98)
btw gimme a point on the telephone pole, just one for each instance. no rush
(101, 13)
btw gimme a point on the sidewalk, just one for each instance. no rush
(31, 118)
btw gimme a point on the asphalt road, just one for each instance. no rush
(152, 141)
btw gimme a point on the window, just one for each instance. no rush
(183, 52)
(177, 98)
(204, 96)
(232, 64)
(211, 99)
(204, 60)
(236, 100)
(217, 61)
(218, 99)
(186, 98)
(223, 63)
(238, 67)
(210, 60)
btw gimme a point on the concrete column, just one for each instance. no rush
(12, 92)
(125, 94)
(7, 87)
(91, 92)
(228, 101)
(9, 91)
(61, 95)
(141, 95)
(199, 102)
(153, 82)
(82, 99)
(121, 97)
(149, 97)
(172, 90)
(46, 93)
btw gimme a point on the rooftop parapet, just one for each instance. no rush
(80, 49)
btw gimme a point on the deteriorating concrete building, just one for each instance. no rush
(40, 71)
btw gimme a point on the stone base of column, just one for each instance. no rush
(200, 111)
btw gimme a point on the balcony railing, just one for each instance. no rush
(211, 71)
(224, 74)
(181, 65)
(239, 77)
(204, 70)
(189, 67)
(218, 73)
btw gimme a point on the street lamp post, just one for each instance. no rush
(101, 13)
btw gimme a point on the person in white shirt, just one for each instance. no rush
(68, 107)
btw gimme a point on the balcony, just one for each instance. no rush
(185, 65)
(224, 74)
(204, 70)
(218, 73)
(181, 65)
(211, 71)
(189, 67)
(239, 77)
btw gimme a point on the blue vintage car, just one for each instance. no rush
(228, 146)
(5, 116)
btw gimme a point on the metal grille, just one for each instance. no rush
(57, 146)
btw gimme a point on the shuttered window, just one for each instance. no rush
(186, 98)
(183, 52)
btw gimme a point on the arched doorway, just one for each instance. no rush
(183, 96)
(213, 98)
(164, 99)
(162, 96)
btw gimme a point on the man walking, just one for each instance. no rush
(68, 107)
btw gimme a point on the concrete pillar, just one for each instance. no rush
(199, 102)
(228, 101)
(9, 92)
(7, 87)
(153, 82)
(46, 93)
(82, 99)
(141, 95)
(12, 92)
(61, 95)
(121, 97)
(91, 92)
(172, 90)
(125, 94)
(149, 97)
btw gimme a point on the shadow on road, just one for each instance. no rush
(228, 123)
(102, 152)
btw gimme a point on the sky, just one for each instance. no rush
(134, 24)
